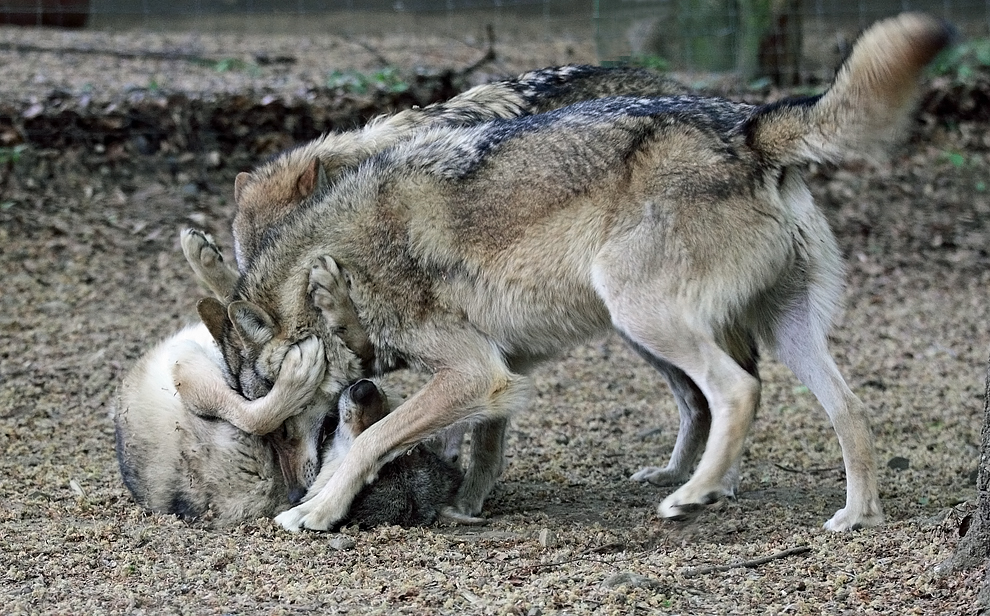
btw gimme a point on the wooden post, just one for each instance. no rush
(974, 548)
(754, 23)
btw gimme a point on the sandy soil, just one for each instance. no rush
(91, 275)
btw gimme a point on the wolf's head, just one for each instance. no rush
(253, 347)
(268, 194)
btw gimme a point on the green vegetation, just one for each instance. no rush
(385, 80)
(11, 155)
(962, 62)
(655, 63)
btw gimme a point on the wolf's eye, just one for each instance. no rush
(329, 427)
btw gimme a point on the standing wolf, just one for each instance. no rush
(682, 222)
(270, 193)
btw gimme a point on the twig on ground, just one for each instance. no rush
(756, 562)
(96, 51)
(485, 59)
(379, 57)
(582, 556)
(822, 469)
(645, 434)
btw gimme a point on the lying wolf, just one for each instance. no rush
(682, 222)
(176, 456)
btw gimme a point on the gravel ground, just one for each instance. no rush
(92, 275)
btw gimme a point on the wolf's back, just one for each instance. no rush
(869, 104)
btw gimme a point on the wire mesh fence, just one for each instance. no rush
(788, 41)
(214, 77)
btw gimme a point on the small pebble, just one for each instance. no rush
(628, 578)
(547, 538)
(342, 542)
(899, 464)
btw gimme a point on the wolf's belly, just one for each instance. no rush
(538, 318)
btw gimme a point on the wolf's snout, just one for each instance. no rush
(363, 392)
(296, 495)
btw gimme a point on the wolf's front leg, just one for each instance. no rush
(450, 396)
(328, 289)
(204, 391)
(204, 257)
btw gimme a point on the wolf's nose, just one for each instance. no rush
(363, 392)
(296, 495)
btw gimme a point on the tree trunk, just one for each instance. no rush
(974, 548)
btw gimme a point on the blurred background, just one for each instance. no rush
(223, 83)
(788, 41)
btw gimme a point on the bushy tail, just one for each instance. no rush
(869, 104)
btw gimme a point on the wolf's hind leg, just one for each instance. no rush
(732, 393)
(695, 423)
(207, 263)
(803, 347)
(485, 463)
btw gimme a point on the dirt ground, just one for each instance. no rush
(91, 275)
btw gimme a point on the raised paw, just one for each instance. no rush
(331, 296)
(206, 261)
(327, 286)
(303, 366)
(199, 247)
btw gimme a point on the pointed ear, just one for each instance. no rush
(240, 182)
(309, 179)
(322, 181)
(214, 316)
(251, 323)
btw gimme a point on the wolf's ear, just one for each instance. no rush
(214, 316)
(251, 323)
(312, 178)
(240, 182)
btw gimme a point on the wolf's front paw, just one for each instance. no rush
(688, 501)
(290, 520)
(451, 515)
(327, 286)
(311, 516)
(469, 503)
(199, 247)
(303, 366)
